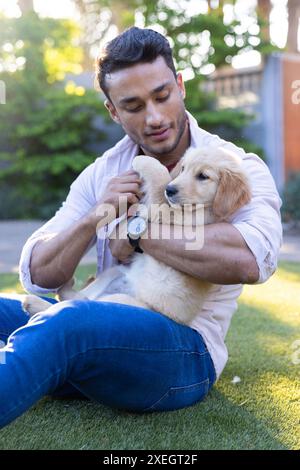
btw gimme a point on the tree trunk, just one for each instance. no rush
(263, 11)
(294, 15)
(25, 6)
(213, 4)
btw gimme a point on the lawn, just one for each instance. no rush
(262, 411)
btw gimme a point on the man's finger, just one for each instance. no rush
(132, 210)
(129, 179)
(129, 173)
(129, 188)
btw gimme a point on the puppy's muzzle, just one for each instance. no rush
(171, 191)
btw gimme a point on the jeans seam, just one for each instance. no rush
(151, 350)
(183, 389)
(187, 388)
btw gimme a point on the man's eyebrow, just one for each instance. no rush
(160, 87)
(131, 99)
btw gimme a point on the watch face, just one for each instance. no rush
(136, 227)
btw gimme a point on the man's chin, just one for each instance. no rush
(159, 149)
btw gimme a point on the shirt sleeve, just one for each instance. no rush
(259, 222)
(80, 200)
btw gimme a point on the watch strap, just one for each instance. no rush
(135, 244)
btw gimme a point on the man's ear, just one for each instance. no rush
(180, 84)
(112, 111)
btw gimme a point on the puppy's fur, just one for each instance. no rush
(210, 177)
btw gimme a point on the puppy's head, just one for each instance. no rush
(211, 176)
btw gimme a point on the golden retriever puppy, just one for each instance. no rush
(207, 185)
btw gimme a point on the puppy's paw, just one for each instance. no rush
(154, 174)
(89, 280)
(33, 304)
(145, 165)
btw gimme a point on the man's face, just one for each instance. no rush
(148, 102)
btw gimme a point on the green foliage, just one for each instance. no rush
(188, 34)
(198, 40)
(46, 126)
(291, 199)
(227, 123)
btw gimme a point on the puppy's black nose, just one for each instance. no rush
(171, 190)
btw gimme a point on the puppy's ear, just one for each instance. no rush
(233, 192)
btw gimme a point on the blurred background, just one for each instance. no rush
(240, 60)
(241, 64)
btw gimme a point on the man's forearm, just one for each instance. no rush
(224, 258)
(54, 260)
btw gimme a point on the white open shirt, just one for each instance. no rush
(258, 222)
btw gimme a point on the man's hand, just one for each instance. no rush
(53, 261)
(122, 250)
(225, 258)
(127, 186)
(119, 245)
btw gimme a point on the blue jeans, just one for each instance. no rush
(125, 357)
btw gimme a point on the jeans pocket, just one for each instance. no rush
(180, 397)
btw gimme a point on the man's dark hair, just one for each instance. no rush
(133, 46)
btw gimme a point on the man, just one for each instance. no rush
(121, 356)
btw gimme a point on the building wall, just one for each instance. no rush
(271, 105)
(271, 93)
(291, 112)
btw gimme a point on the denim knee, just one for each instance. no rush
(63, 311)
(71, 317)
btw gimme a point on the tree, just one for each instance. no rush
(25, 6)
(49, 127)
(188, 33)
(294, 17)
(263, 10)
(98, 17)
(46, 125)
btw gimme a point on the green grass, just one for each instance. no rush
(260, 412)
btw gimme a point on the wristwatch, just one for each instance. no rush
(136, 227)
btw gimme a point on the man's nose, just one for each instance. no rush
(171, 190)
(153, 117)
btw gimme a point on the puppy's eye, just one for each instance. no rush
(202, 177)
(182, 168)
